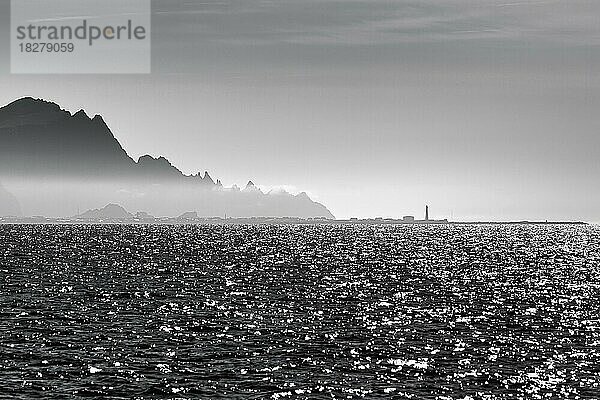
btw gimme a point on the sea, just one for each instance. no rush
(300, 312)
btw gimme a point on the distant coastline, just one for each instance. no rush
(116, 214)
(259, 221)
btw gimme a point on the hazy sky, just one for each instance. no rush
(480, 108)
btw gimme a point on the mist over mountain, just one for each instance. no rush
(8, 204)
(56, 163)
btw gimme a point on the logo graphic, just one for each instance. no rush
(80, 37)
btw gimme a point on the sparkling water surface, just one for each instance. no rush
(280, 312)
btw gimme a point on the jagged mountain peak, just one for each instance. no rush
(40, 138)
(252, 188)
(148, 158)
(30, 104)
(207, 178)
(81, 114)
(28, 110)
(157, 167)
(41, 142)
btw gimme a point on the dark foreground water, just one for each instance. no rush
(480, 312)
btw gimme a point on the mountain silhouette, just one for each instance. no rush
(110, 212)
(39, 138)
(56, 162)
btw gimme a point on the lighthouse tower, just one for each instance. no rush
(426, 213)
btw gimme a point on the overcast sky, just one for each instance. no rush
(484, 109)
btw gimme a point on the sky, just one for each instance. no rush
(483, 109)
